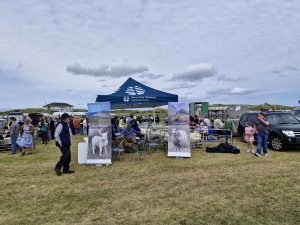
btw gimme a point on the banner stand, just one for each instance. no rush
(100, 134)
(179, 130)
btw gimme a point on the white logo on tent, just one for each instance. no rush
(136, 90)
(126, 98)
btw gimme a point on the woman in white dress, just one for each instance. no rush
(27, 131)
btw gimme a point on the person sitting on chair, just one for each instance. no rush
(129, 134)
(135, 126)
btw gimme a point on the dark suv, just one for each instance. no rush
(284, 128)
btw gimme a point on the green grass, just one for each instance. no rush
(205, 189)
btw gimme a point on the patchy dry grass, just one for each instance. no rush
(205, 189)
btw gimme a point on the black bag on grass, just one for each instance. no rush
(223, 148)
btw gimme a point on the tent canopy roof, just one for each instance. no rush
(133, 94)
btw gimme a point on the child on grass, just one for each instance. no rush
(249, 136)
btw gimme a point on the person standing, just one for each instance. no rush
(217, 123)
(27, 131)
(81, 126)
(14, 134)
(249, 136)
(84, 126)
(122, 123)
(71, 125)
(87, 126)
(262, 128)
(63, 138)
(150, 119)
(77, 125)
(229, 127)
(44, 131)
(196, 121)
(207, 121)
(157, 119)
(52, 128)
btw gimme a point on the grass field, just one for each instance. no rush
(205, 189)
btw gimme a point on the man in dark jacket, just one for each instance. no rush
(63, 138)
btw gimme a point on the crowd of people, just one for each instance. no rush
(44, 129)
(62, 128)
(259, 127)
(129, 127)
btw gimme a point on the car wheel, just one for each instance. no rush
(276, 143)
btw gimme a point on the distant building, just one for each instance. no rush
(59, 106)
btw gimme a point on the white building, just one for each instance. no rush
(59, 106)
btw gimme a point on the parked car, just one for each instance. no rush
(18, 115)
(5, 143)
(284, 128)
(3, 123)
(36, 118)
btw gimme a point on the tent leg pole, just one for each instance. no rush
(154, 114)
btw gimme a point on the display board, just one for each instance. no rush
(179, 130)
(100, 136)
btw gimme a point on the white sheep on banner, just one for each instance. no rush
(179, 139)
(101, 142)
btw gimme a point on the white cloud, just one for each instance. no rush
(181, 85)
(238, 37)
(232, 91)
(106, 70)
(196, 72)
(231, 79)
(290, 68)
(150, 76)
(275, 71)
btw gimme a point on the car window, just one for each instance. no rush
(274, 119)
(252, 118)
(244, 119)
(284, 118)
(296, 112)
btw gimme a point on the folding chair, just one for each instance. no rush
(140, 148)
(118, 150)
(154, 143)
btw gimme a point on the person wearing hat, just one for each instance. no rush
(63, 138)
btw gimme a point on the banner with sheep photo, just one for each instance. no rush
(179, 130)
(99, 140)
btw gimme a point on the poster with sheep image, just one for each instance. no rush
(99, 140)
(178, 130)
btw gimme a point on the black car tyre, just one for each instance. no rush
(276, 143)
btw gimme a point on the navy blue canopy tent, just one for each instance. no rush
(133, 94)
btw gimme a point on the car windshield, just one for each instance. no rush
(283, 118)
(296, 112)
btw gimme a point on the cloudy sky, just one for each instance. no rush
(225, 51)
